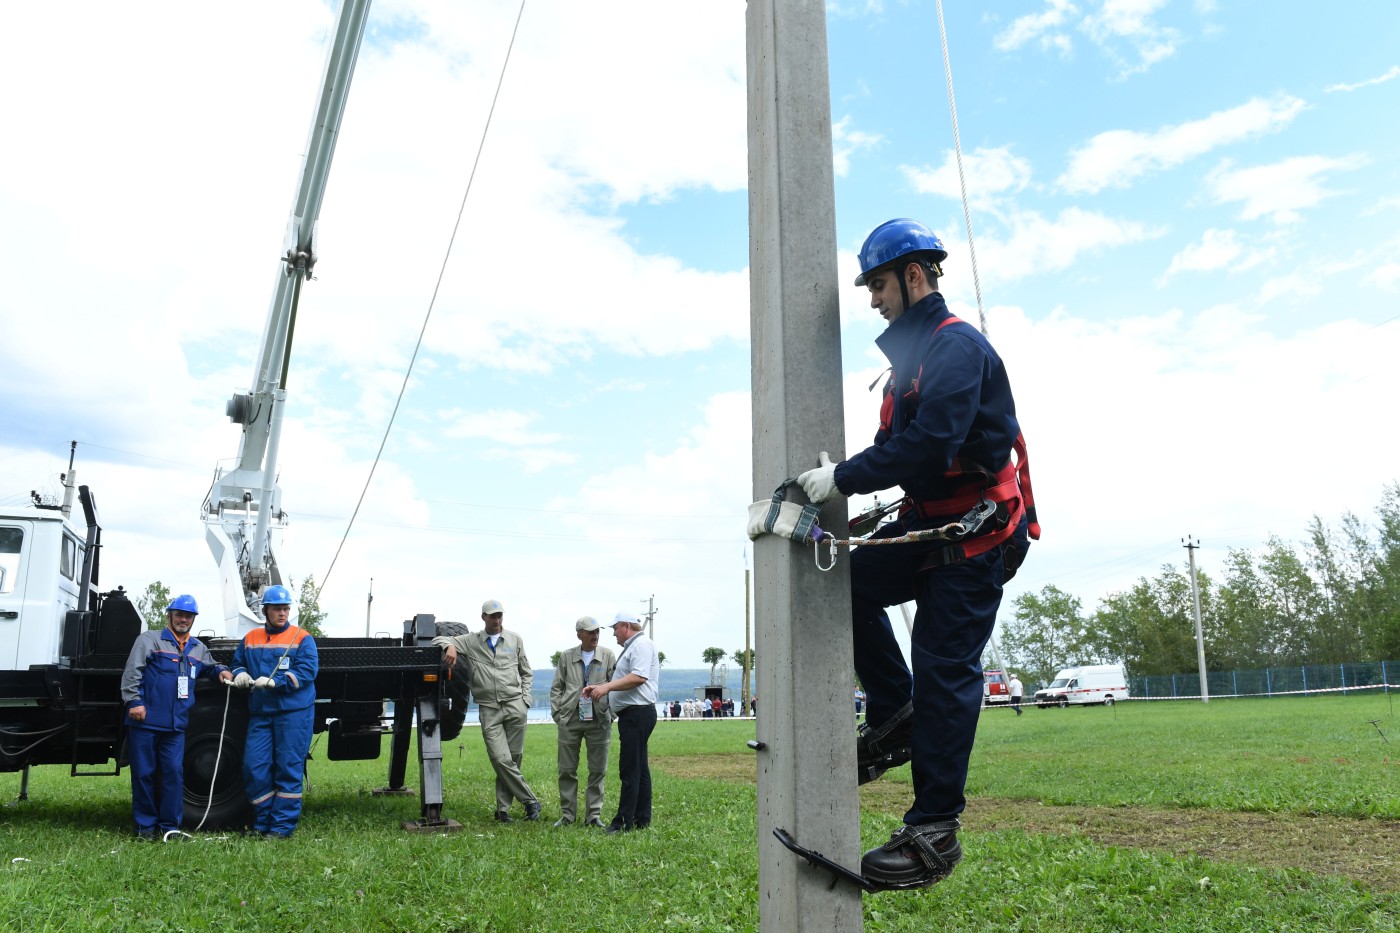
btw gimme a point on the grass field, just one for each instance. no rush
(1249, 815)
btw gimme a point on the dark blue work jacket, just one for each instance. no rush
(948, 412)
(152, 678)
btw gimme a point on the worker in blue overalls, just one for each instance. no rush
(947, 432)
(278, 662)
(158, 690)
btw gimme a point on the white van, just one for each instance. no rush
(1093, 683)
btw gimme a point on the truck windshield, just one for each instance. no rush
(1060, 682)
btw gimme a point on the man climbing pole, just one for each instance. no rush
(947, 433)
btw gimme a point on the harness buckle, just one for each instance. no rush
(972, 522)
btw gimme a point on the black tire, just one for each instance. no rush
(1064, 702)
(229, 809)
(457, 690)
(1108, 700)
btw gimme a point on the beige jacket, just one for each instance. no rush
(498, 678)
(568, 684)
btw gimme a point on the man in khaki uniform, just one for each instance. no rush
(581, 719)
(500, 681)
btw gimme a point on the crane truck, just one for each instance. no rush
(64, 642)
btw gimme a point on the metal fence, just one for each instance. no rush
(1271, 681)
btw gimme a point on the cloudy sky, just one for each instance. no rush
(1185, 219)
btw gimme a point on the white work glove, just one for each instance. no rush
(262, 683)
(242, 681)
(820, 484)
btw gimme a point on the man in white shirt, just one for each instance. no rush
(632, 694)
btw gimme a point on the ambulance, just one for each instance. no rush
(1080, 686)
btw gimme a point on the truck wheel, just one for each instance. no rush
(229, 807)
(1064, 702)
(457, 690)
(1108, 700)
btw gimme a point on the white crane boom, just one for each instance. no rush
(244, 505)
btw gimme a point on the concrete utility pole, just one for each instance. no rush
(369, 604)
(748, 644)
(1191, 546)
(805, 734)
(651, 611)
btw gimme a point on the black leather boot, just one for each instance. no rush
(915, 856)
(886, 746)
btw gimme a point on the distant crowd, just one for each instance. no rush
(712, 708)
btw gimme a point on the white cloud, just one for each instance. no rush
(1217, 249)
(1115, 24)
(990, 173)
(1044, 26)
(1279, 190)
(846, 142)
(1131, 22)
(1116, 157)
(1390, 75)
(1293, 287)
(1386, 276)
(1038, 244)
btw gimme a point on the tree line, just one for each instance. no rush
(1333, 598)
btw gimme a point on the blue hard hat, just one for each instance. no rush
(894, 239)
(183, 603)
(277, 595)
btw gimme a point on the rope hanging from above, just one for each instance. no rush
(957, 151)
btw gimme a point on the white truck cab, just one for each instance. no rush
(41, 561)
(1079, 686)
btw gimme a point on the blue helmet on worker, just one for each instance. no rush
(900, 239)
(183, 603)
(277, 595)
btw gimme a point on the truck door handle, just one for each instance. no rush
(9, 614)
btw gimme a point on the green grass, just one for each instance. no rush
(350, 866)
(1297, 755)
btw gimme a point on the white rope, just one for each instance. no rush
(218, 756)
(432, 302)
(957, 150)
(953, 531)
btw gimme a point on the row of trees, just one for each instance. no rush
(1335, 598)
(712, 657)
(152, 603)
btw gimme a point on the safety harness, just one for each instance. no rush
(991, 505)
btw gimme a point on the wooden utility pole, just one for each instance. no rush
(805, 736)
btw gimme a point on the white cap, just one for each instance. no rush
(586, 624)
(491, 607)
(627, 617)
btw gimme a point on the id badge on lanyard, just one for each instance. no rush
(182, 687)
(585, 704)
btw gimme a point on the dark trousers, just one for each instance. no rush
(957, 608)
(634, 725)
(157, 778)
